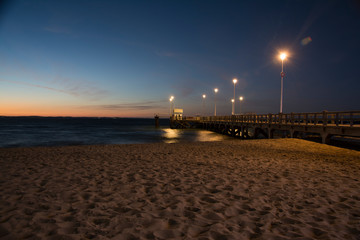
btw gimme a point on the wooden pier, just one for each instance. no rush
(326, 124)
(186, 122)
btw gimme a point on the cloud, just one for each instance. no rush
(39, 86)
(144, 105)
(80, 90)
(55, 81)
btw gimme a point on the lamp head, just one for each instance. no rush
(234, 80)
(204, 96)
(241, 98)
(282, 56)
(216, 90)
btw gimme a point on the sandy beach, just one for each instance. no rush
(254, 189)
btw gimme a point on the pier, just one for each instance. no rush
(326, 124)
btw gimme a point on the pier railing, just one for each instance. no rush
(325, 118)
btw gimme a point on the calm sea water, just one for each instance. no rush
(60, 131)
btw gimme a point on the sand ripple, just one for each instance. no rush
(256, 189)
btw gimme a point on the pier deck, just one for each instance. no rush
(326, 124)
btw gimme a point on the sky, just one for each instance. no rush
(126, 58)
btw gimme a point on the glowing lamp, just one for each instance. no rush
(282, 56)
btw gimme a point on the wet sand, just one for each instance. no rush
(253, 189)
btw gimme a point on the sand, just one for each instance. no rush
(253, 189)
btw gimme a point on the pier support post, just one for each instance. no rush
(242, 132)
(292, 134)
(157, 123)
(246, 133)
(270, 133)
(232, 130)
(325, 138)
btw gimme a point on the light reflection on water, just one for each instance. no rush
(171, 135)
(189, 135)
(204, 136)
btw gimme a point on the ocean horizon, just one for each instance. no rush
(32, 131)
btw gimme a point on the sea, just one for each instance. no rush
(70, 131)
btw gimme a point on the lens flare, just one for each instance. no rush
(306, 41)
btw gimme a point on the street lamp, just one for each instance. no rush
(215, 90)
(203, 104)
(282, 74)
(233, 107)
(171, 104)
(240, 98)
(232, 103)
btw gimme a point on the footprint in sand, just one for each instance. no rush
(103, 222)
(167, 234)
(319, 234)
(209, 199)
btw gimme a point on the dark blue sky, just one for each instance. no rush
(126, 58)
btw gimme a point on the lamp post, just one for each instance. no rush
(282, 74)
(215, 90)
(240, 98)
(171, 104)
(203, 104)
(233, 105)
